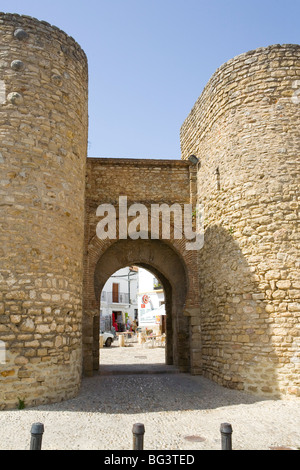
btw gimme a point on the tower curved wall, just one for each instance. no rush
(244, 129)
(43, 148)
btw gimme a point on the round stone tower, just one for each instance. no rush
(244, 129)
(43, 148)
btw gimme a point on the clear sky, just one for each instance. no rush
(149, 60)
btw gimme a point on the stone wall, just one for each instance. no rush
(244, 129)
(43, 141)
(233, 307)
(145, 182)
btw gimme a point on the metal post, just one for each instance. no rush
(226, 433)
(37, 431)
(138, 431)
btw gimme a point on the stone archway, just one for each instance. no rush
(168, 266)
(167, 287)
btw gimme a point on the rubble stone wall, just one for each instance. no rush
(244, 129)
(235, 315)
(146, 182)
(43, 147)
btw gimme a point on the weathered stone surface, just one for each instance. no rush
(43, 157)
(233, 307)
(20, 34)
(246, 125)
(15, 98)
(17, 65)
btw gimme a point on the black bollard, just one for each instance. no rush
(138, 431)
(37, 431)
(226, 433)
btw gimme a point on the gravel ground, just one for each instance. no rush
(179, 411)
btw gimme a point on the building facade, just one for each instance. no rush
(119, 300)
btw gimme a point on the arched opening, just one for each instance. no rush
(133, 323)
(168, 267)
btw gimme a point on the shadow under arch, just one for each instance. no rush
(169, 268)
(166, 264)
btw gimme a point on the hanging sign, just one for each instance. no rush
(145, 299)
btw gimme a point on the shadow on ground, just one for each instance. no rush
(136, 392)
(140, 369)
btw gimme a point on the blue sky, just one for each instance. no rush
(149, 60)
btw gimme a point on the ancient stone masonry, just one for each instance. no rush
(43, 142)
(232, 307)
(146, 182)
(245, 131)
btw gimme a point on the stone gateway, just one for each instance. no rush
(232, 307)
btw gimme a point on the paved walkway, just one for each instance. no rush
(134, 359)
(179, 411)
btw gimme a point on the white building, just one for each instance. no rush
(151, 300)
(132, 294)
(119, 300)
